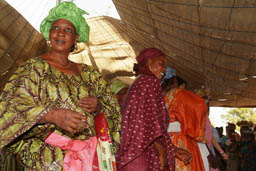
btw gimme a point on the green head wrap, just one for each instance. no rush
(117, 86)
(70, 12)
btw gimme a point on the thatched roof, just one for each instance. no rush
(109, 49)
(209, 42)
(18, 41)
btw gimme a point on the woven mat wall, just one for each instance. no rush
(109, 49)
(18, 41)
(211, 43)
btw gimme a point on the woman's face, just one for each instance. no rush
(62, 35)
(157, 66)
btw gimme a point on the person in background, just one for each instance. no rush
(186, 110)
(248, 149)
(223, 138)
(145, 144)
(171, 80)
(233, 148)
(211, 135)
(50, 95)
(120, 89)
(168, 81)
(212, 140)
(231, 133)
(181, 83)
(223, 165)
(254, 131)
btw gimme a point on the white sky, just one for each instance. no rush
(215, 116)
(36, 10)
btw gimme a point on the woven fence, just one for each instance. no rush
(211, 43)
(18, 41)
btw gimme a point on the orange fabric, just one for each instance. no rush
(190, 110)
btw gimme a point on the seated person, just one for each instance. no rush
(120, 89)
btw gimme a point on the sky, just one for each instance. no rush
(35, 11)
(215, 116)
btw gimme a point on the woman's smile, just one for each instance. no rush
(60, 42)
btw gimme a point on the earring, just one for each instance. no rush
(149, 67)
(76, 46)
(49, 43)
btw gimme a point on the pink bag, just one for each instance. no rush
(80, 154)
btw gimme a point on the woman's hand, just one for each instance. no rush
(66, 119)
(224, 155)
(183, 155)
(90, 104)
(202, 140)
(161, 154)
(162, 162)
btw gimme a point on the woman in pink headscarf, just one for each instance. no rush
(145, 145)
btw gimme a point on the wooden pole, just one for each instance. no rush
(57, 2)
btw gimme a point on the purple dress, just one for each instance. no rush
(145, 121)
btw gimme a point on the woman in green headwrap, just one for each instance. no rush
(50, 94)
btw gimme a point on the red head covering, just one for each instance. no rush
(144, 56)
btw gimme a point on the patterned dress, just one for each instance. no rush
(145, 121)
(34, 89)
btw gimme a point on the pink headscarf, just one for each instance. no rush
(144, 56)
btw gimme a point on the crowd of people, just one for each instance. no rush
(241, 148)
(49, 106)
